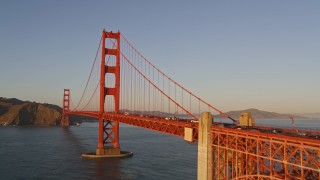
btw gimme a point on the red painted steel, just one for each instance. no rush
(241, 153)
(248, 153)
(102, 93)
(65, 107)
(108, 129)
(172, 127)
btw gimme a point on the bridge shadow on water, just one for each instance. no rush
(156, 155)
(73, 139)
(101, 169)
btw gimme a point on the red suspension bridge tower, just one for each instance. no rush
(65, 107)
(150, 99)
(108, 140)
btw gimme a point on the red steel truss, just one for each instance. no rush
(243, 154)
(237, 153)
(159, 124)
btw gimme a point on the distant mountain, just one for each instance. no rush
(310, 115)
(258, 114)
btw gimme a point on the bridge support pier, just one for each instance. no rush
(108, 140)
(108, 151)
(204, 147)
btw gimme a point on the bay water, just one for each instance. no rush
(31, 152)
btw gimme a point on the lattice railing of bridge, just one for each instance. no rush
(151, 99)
(244, 154)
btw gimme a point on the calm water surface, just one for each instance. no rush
(54, 153)
(28, 152)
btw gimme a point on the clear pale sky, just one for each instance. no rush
(234, 54)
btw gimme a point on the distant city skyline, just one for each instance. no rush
(234, 54)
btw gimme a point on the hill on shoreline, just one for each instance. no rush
(16, 112)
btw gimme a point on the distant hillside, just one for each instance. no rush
(258, 114)
(16, 112)
(310, 115)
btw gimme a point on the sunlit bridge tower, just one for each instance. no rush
(108, 138)
(65, 107)
(150, 99)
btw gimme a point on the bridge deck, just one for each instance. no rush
(283, 153)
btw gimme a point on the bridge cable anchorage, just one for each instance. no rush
(180, 86)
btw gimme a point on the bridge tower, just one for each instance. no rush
(108, 138)
(65, 107)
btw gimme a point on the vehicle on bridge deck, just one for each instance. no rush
(194, 121)
(170, 118)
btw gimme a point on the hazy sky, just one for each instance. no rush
(234, 54)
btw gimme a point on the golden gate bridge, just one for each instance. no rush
(125, 87)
